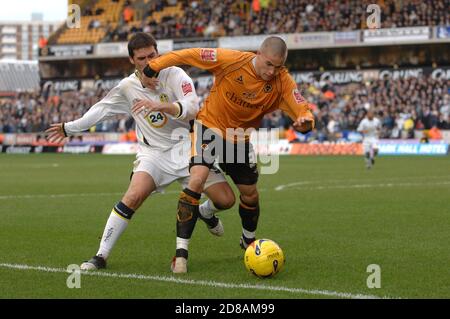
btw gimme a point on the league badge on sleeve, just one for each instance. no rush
(208, 55)
(186, 87)
(298, 97)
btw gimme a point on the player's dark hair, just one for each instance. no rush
(140, 40)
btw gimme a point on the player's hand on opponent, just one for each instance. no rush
(56, 133)
(146, 106)
(303, 124)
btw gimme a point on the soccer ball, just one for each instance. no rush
(264, 258)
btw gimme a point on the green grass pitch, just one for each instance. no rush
(331, 216)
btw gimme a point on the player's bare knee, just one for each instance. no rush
(196, 184)
(250, 198)
(226, 201)
(133, 200)
(229, 202)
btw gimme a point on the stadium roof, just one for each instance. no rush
(16, 76)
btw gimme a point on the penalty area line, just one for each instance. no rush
(204, 283)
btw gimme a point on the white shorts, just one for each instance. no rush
(369, 145)
(165, 170)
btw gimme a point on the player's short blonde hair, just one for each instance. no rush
(274, 45)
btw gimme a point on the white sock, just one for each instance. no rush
(248, 234)
(207, 209)
(182, 243)
(115, 226)
(367, 159)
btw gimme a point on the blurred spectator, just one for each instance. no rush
(285, 16)
(435, 134)
(291, 135)
(30, 112)
(444, 122)
(403, 106)
(408, 128)
(94, 24)
(129, 136)
(140, 7)
(42, 42)
(256, 6)
(424, 138)
(88, 11)
(99, 11)
(333, 128)
(128, 14)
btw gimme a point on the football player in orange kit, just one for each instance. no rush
(246, 86)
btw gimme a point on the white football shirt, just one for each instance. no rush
(153, 130)
(372, 128)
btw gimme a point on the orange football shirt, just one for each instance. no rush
(240, 98)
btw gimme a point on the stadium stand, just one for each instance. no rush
(337, 108)
(95, 21)
(403, 104)
(114, 20)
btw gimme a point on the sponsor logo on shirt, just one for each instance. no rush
(238, 101)
(208, 55)
(186, 87)
(249, 95)
(298, 97)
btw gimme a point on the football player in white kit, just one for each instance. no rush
(162, 116)
(370, 127)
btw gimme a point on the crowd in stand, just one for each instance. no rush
(402, 105)
(213, 18)
(31, 112)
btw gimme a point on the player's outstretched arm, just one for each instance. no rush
(114, 103)
(56, 133)
(296, 106)
(213, 60)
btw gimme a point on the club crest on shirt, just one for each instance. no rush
(208, 55)
(267, 88)
(298, 97)
(164, 98)
(186, 87)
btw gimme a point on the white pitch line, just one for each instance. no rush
(31, 196)
(290, 186)
(206, 283)
(281, 187)
(322, 187)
